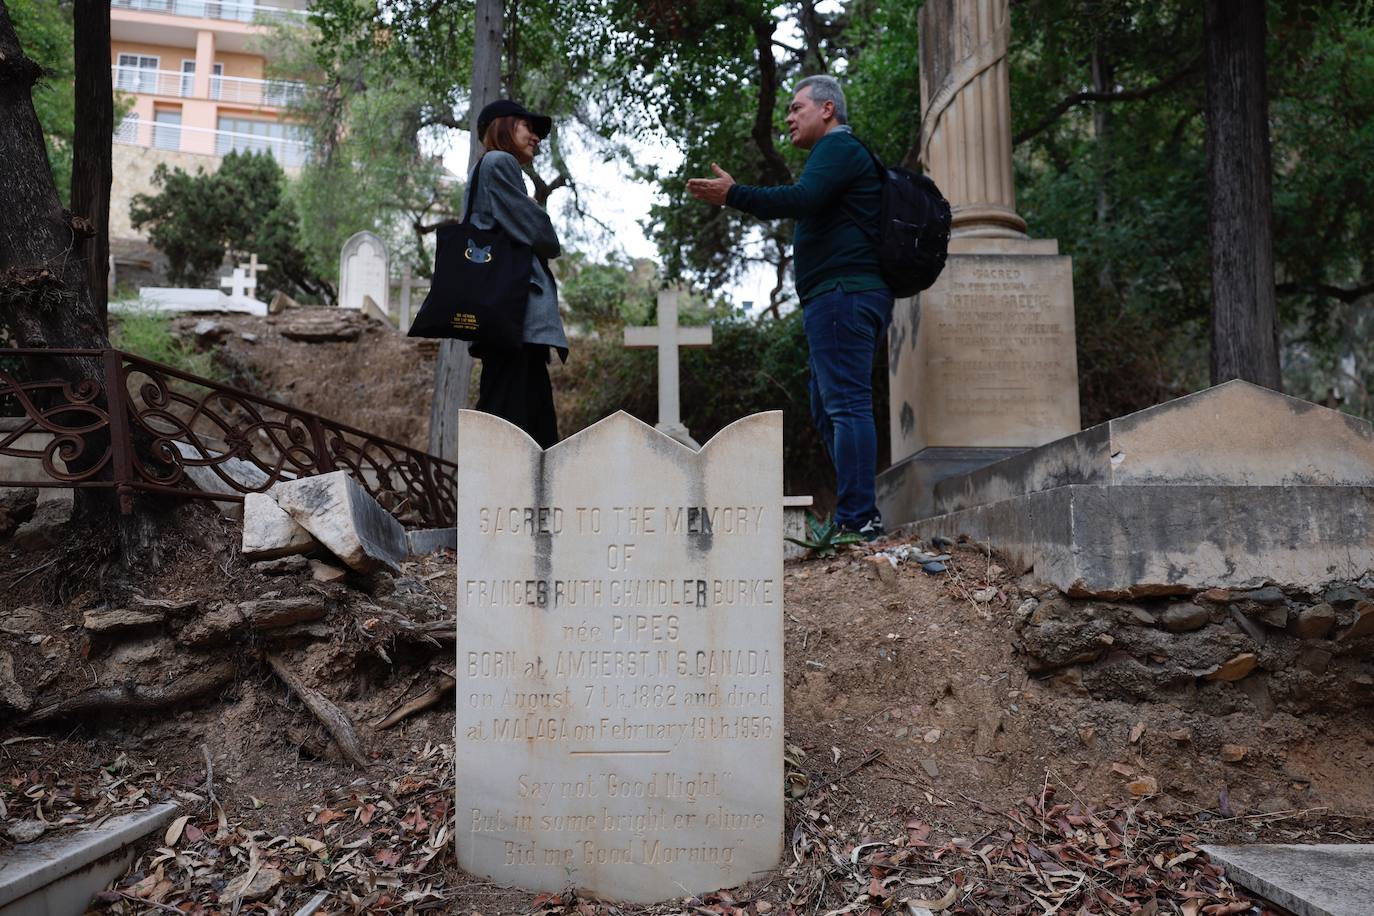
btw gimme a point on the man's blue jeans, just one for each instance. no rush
(843, 331)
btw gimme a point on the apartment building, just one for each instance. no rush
(196, 71)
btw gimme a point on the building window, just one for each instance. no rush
(136, 73)
(188, 78)
(286, 142)
(167, 128)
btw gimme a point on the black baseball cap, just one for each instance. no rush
(503, 108)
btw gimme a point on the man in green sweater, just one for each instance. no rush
(847, 306)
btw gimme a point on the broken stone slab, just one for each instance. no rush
(1136, 541)
(794, 509)
(269, 532)
(282, 565)
(1363, 624)
(1329, 880)
(12, 694)
(1313, 622)
(426, 541)
(1235, 668)
(51, 516)
(322, 329)
(242, 475)
(261, 614)
(340, 514)
(324, 572)
(62, 873)
(109, 620)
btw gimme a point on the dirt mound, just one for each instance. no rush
(912, 723)
(340, 364)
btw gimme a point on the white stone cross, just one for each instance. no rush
(254, 268)
(669, 338)
(240, 285)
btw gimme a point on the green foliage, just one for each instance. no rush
(148, 333)
(196, 219)
(44, 28)
(606, 296)
(826, 537)
(1119, 179)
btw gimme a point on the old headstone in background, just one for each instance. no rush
(668, 337)
(619, 658)
(364, 270)
(983, 364)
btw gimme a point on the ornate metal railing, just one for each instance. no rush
(148, 427)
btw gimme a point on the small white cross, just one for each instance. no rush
(239, 284)
(669, 338)
(254, 268)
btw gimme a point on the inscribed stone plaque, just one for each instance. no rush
(988, 357)
(364, 270)
(620, 723)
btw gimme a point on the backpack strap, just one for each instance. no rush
(871, 233)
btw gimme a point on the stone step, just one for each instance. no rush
(58, 875)
(1334, 880)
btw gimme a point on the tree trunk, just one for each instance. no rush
(44, 301)
(43, 295)
(91, 152)
(453, 371)
(1244, 314)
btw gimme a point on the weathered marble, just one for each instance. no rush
(986, 358)
(619, 659)
(364, 270)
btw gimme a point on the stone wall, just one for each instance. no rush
(1217, 650)
(133, 174)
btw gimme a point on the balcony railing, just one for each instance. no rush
(237, 89)
(278, 93)
(289, 152)
(229, 10)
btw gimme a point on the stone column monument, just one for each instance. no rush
(982, 365)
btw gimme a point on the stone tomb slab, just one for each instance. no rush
(619, 658)
(1232, 487)
(1233, 434)
(985, 358)
(1334, 880)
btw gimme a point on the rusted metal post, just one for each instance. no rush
(121, 445)
(324, 460)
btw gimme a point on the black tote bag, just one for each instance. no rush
(481, 284)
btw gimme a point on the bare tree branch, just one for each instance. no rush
(1125, 95)
(1341, 293)
(775, 166)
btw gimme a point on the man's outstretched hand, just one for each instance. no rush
(711, 190)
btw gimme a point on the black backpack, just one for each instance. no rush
(913, 228)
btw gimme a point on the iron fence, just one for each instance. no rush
(148, 427)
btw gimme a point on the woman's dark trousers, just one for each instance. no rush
(515, 387)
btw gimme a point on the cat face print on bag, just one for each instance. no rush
(477, 254)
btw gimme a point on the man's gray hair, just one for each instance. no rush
(826, 89)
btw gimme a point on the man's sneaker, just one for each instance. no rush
(871, 529)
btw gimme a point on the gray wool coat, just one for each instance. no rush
(501, 200)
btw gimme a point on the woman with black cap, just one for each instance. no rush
(515, 383)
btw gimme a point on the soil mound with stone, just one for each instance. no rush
(954, 734)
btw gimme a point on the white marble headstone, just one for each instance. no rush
(364, 270)
(620, 721)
